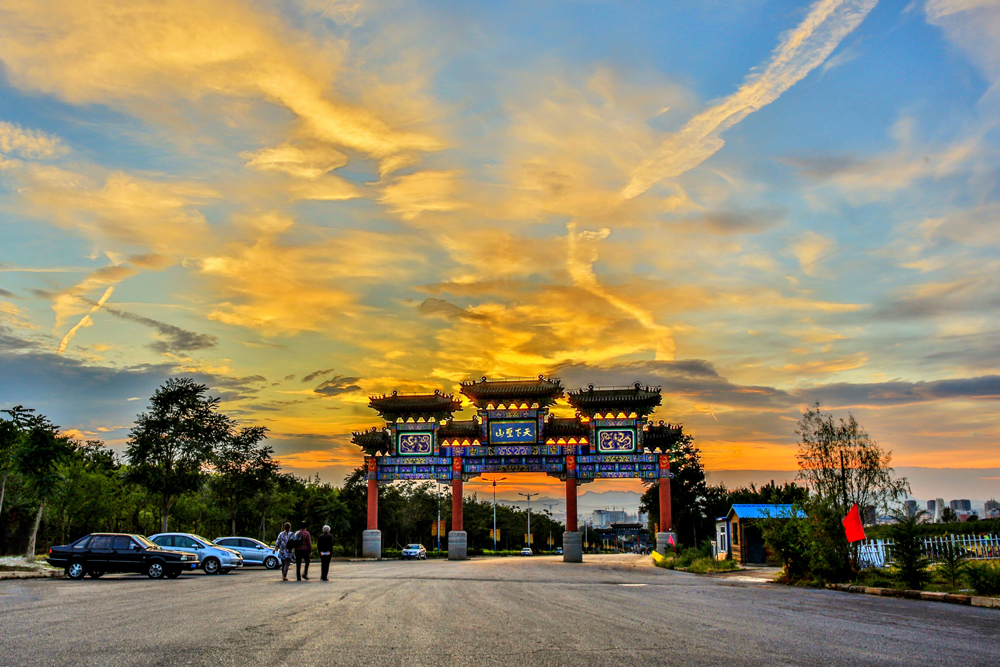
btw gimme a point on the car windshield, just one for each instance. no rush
(144, 542)
(412, 546)
(202, 539)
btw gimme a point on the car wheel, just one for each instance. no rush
(76, 570)
(271, 563)
(95, 575)
(173, 574)
(211, 566)
(155, 570)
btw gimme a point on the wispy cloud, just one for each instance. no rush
(30, 144)
(801, 50)
(176, 340)
(86, 321)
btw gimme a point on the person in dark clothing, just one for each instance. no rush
(324, 544)
(302, 554)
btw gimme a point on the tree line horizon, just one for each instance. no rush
(188, 467)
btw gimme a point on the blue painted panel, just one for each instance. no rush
(415, 444)
(502, 432)
(615, 441)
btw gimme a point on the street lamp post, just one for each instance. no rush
(550, 506)
(437, 528)
(495, 480)
(528, 496)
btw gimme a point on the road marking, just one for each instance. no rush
(631, 584)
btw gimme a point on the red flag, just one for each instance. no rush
(852, 525)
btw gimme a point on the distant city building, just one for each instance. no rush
(963, 505)
(870, 515)
(991, 509)
(938, 509)
(910, 507)
(604, 518)
(931, 507)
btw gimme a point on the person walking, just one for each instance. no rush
(324, 543)
(302, 553)
(284, 553)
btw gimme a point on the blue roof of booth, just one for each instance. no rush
(764, 512)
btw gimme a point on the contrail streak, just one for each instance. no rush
(801, 50)
(86, 321)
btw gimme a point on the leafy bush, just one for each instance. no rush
(876, 578)
(813, 548)
(787, 538)
(907, 551)
(709, 564)
(984, 577)
(952, 562)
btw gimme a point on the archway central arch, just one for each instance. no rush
(610, 437)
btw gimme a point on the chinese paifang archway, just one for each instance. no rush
(609, 438)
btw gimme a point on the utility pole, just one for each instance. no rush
(495, 480)
(528, 496)
(550, 506)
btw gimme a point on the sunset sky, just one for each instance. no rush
(754, 204)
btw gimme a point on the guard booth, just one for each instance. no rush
(610, 437)
(743, 527)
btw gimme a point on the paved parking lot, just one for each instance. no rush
(610, 610)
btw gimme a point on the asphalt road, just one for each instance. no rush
(610, 610)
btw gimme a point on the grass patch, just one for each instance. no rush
(981, 577)
(17, 568)
(696, 561)
(707, 565)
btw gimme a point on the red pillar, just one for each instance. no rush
(456, 504)
(372, 494)
(666, 513)
(571, 526)
(372, 505)
(456, 493)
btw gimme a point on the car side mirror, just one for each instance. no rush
(135, 547)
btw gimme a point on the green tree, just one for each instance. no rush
(9, 436)
(242, 467)
(948, 515)
(840, 462)
(952, 561)
(689, 494)
(21, 420)
(38, 458)
(907, 550)
(172, 443)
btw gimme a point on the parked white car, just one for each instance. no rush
(214, 558)
(413, 551)
(254, 552)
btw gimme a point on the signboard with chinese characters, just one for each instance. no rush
(415, 444)
(510, 431)
(615, 441)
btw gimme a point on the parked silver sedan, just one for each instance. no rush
(215, 559)
(254, 552)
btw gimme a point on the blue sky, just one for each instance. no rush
(753, 204)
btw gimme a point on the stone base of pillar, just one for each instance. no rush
(458, 545)
(371, 544)
(573, 547)
(665, 543)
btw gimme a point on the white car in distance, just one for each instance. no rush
(413, 551)
(254, 552)
(215, 559)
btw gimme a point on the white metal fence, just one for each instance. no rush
(877, 553)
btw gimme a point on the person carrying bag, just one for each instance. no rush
(285, 552)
